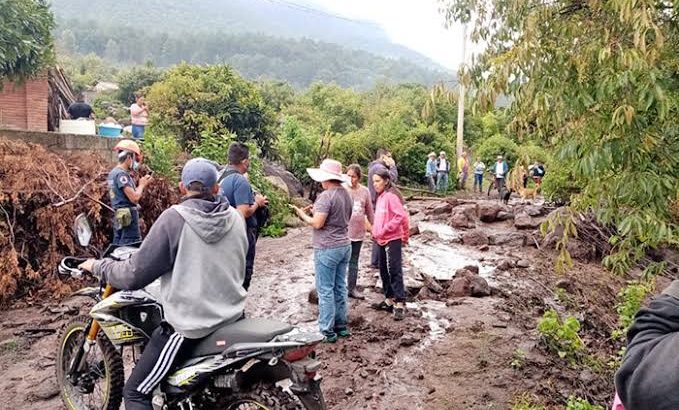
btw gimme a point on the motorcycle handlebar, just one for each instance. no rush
(69, 266)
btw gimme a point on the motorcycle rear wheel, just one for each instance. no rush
(105, 367)
(262, 396)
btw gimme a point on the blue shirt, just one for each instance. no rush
(118, 179)
(238, 191)
(431, 167)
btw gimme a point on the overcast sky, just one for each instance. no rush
(416, 24)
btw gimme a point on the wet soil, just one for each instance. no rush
(448, 353)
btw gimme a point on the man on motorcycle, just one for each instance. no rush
(125, 195)
(199, 292)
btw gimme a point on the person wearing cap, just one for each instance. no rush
(442, 171)
(237, 189)
(332, 247)
(431, 171)
(200, 293)
(125, 194)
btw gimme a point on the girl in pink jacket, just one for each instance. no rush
(390, 231)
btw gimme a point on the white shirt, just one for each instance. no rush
(443, 164)
(499, 170)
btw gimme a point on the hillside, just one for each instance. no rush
(278, 18)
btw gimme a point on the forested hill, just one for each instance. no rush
(278, 18)
(290, 45)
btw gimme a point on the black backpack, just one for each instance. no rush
(262, 213)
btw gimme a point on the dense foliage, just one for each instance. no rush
(597, 82)
(25, 37)
(193, 101)
(297, 61)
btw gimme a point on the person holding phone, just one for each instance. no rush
(139, 113)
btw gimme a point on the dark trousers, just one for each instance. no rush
(353, 264)
(129, 234)
(250, 256)
(391, 271)
(375, 250)
(153, 366)
(500, 183)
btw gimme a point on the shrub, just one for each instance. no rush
(491, 147)
(161, 154)
(630, 299)
(576, 403)
(561, 337)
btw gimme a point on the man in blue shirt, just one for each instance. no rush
(431, 172)
(125, 195)
(237, 189)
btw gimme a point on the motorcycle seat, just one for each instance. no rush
(255, 330)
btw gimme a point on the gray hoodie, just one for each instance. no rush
(197, 249)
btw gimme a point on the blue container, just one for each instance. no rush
(106, 130)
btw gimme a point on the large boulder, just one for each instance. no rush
(439, 208)
(463, 216)
(507, 238)
(525, 221)
(488, 211)
(279, 184)
(474, 238)
(295, 187)
(468, 285)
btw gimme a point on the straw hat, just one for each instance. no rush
(328, 170)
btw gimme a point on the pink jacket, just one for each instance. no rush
(391, 219)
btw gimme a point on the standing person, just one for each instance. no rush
(237, 189)
(479, 169)
(431, 172)
(537, 173)
(462, 170)
(442, 171)
(390, 231)
(125, 195)
(332, 248)
(500, 170)
(362, 211)
(80, 109)
(139, 113)
(197, 249)
(383, 160)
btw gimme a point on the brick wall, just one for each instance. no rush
(65, 143)
(24, 106)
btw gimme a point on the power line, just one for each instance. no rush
(318, 12)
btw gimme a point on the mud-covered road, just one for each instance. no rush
(451, 352)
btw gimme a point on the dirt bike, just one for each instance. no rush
(249, 364)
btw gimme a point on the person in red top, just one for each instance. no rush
(390, 231)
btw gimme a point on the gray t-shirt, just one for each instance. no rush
(337, 203)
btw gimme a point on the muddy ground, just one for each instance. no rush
(450, 352)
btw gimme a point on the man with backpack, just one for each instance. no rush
(237, 189)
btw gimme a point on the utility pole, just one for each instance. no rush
(460, 98)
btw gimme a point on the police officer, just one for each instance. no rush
(125, 195)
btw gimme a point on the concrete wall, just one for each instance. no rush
(65, 143)
(24, 106)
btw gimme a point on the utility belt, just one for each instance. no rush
(124, 216)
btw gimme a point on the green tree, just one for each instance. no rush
(191, 101)
(597, 82)
(136, 79)
(26, 45)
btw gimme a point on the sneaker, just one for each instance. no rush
(343, 332)
(399, 313)
(330, 337)
(355, 295)
(383, 305)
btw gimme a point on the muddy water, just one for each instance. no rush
(441, 259)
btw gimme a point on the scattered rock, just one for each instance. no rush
(586, 376)
(409, 339)
(468, 285)
(474, 238)
(503, 216)
(488, 211)
(295, 187)
(480, 287)
(565, 284)
(459, 287)
(525, 221)
(420, 376)
(465, 273)
(431, 390)
(414, 230)
(45, 390)
(439, 209)
(505, 265)
(508, 238)
(472, 268)
(461, 221)
(349, 391)
(484, 248)
(313, 296)
(523, 263)
(279, 184)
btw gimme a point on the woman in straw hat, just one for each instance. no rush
(332, 248)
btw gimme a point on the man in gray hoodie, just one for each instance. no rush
(197, 249)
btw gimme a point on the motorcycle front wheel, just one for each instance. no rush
(262, 396)
(100, 385)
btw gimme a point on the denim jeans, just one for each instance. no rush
(442, 181)
(129, 234)
(478, 181)
(353, 264)
(431, 180)
(138, 131)
(331, 283)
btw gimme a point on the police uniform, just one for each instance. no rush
(126, 214)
